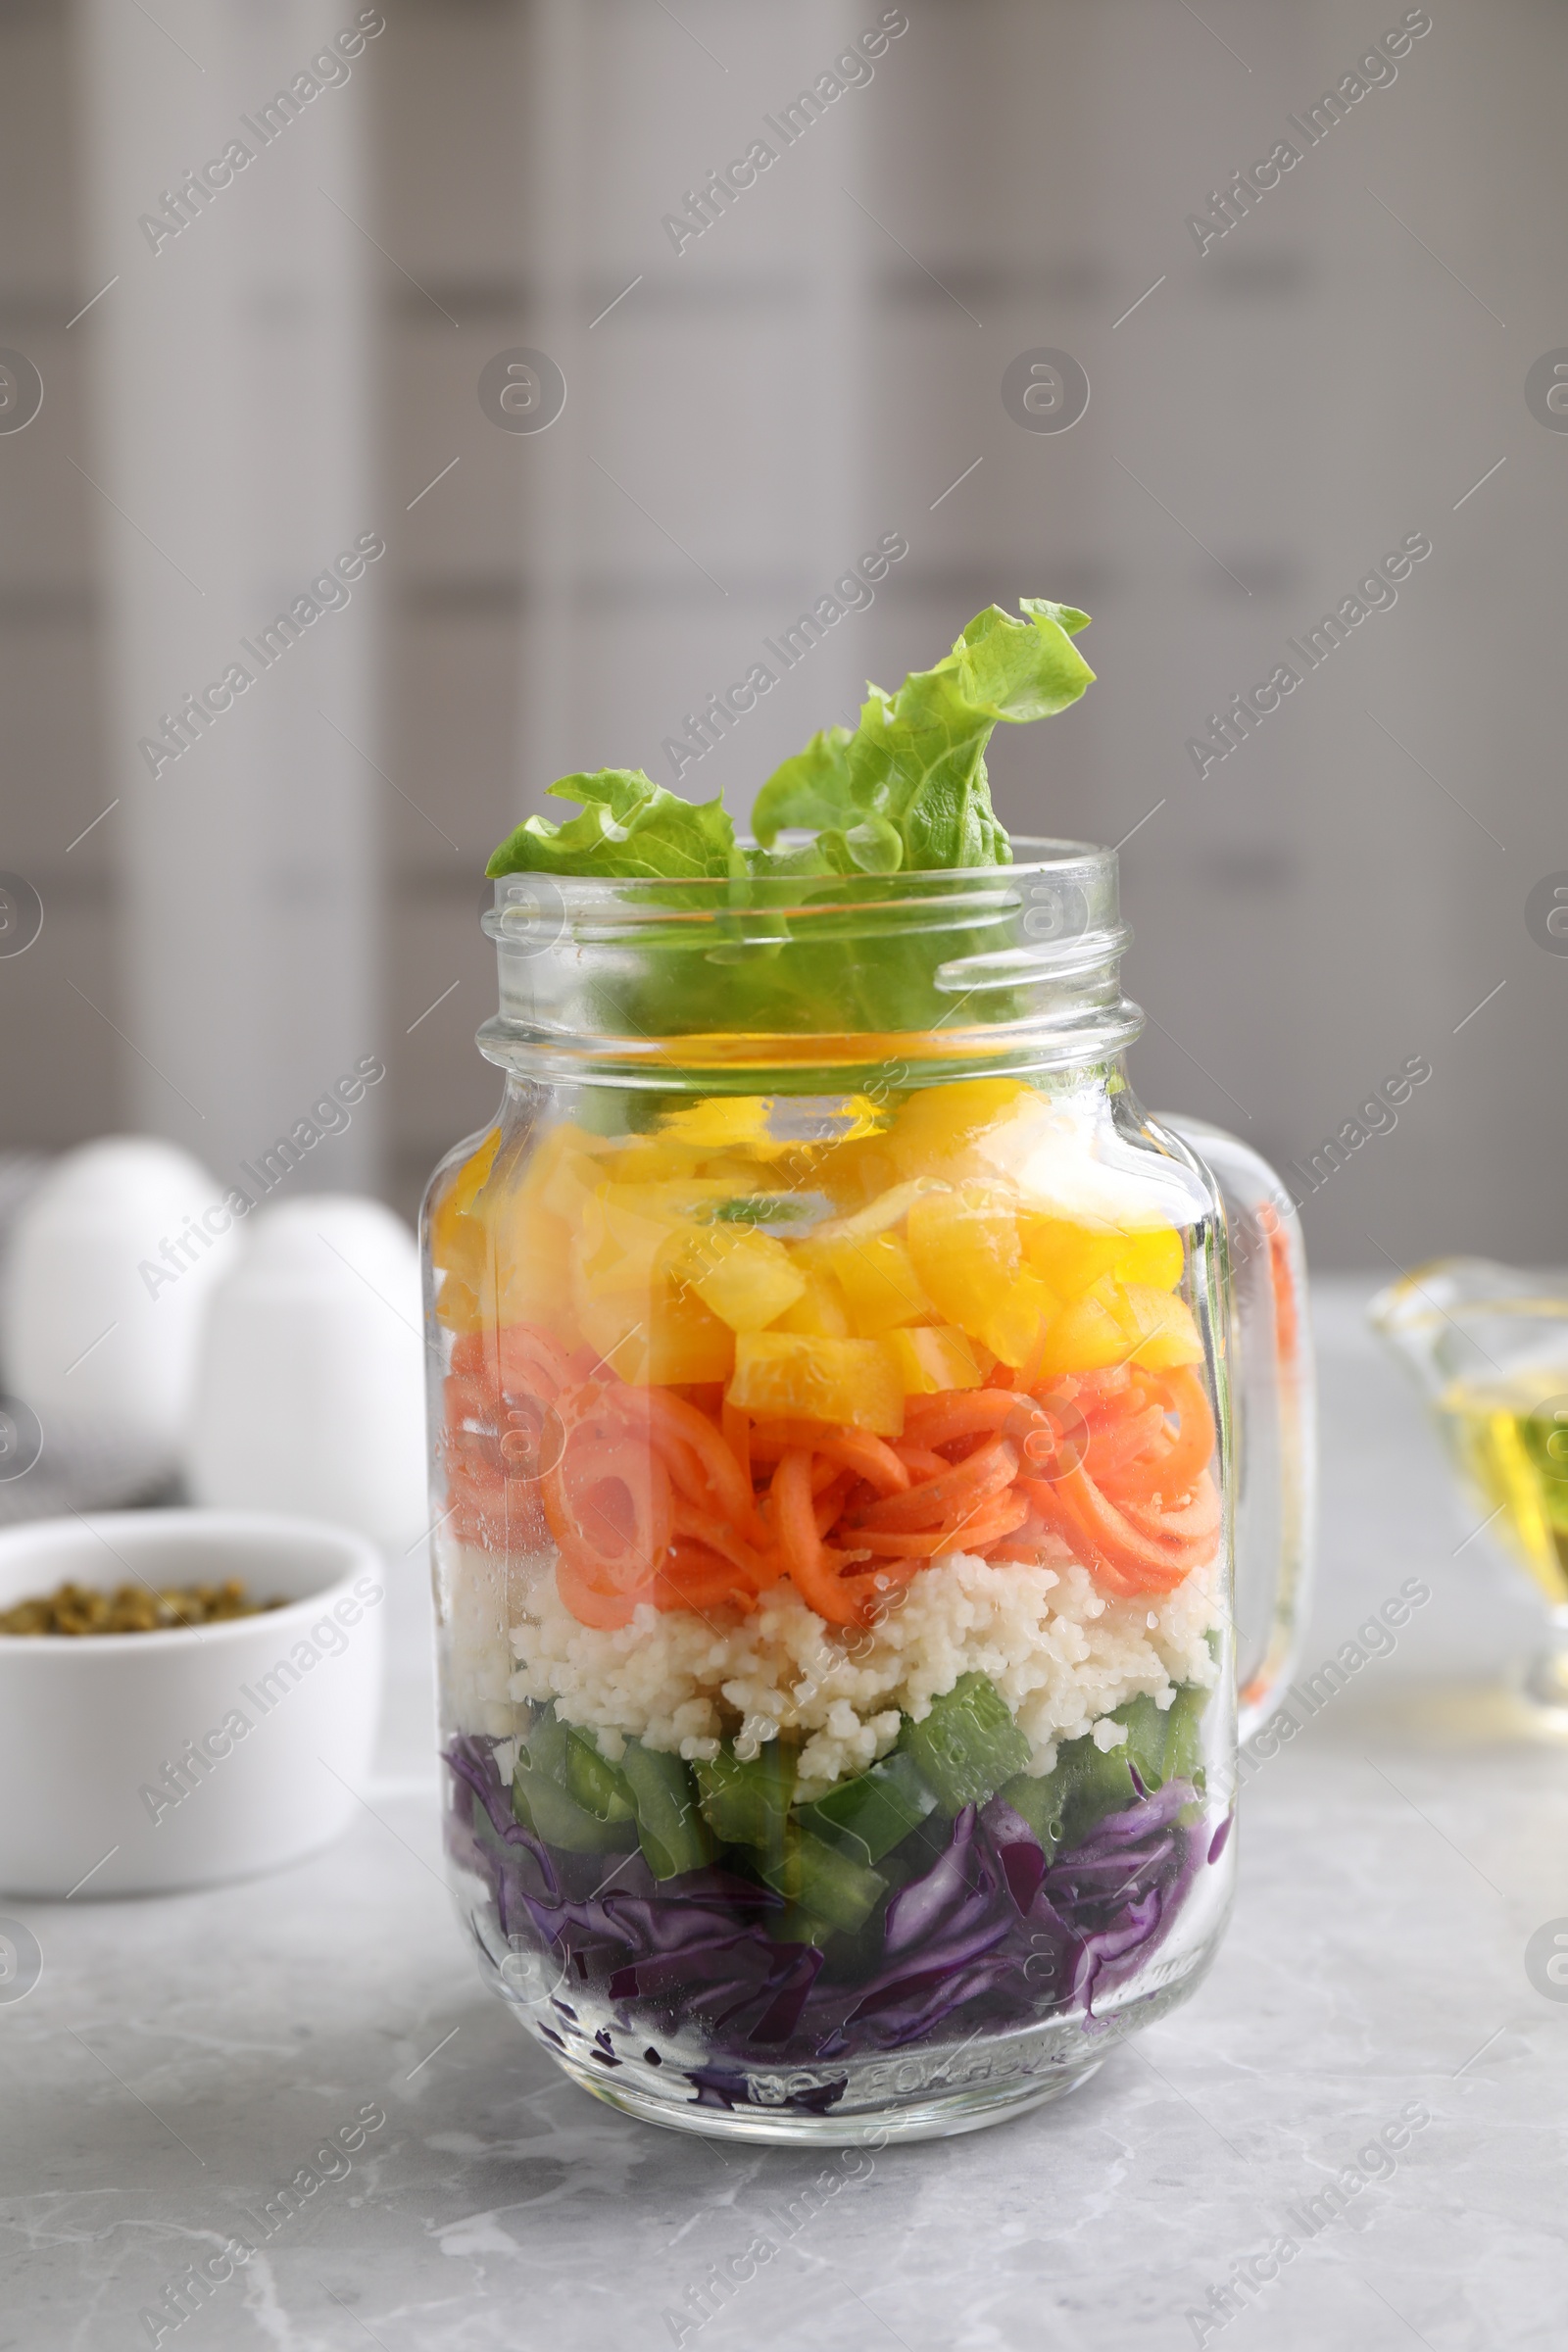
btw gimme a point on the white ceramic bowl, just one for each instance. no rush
(138, 1763)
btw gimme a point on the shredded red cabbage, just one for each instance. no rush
(990, 1928)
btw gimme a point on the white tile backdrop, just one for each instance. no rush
(1333, 898)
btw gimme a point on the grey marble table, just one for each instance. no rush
(180, 2060)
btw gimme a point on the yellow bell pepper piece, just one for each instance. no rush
(663, 1336)
(721, 1123)
(526, 1272)
(876, 1276)
(935, 1358)
(854, 1169)
(865, 1119)
(746, 1277)
(459, 1244)
(964, 1243)
(1156, 1257)
(789, 1376)
(883, 1211)
(563, 1183)
(1163, 1328)
(454, 1241)
(941, 1123)
(1070, 1258)
(617, 1249)
(648, 1159)
(458, 1303)
(1073, 1256)
(820, 1311)
(502, 1257)
(1011, 1331)
(1086, 1337)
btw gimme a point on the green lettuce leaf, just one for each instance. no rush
(631, 829)
(906, 791)
(915, 766)
(811, 789)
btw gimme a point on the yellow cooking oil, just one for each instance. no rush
(1508, 1437)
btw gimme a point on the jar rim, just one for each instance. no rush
(1053, 857)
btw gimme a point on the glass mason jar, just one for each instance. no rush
(856, 1430)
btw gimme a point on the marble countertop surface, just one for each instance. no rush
(180, 2059)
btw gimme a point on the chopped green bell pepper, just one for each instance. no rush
(1089, 1783)
(1184, 1735)
(868, 1816)
(670, 1827)
(542, 1805)
(968, 1745)
(546, 1799)
(748, 1802)
(599, 1787)
(827, 1884)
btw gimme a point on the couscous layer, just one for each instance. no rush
(1062, 1655)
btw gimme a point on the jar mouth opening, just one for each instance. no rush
(1042, 852)
(1078, 864)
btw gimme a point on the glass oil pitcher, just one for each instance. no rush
(1488, 1348)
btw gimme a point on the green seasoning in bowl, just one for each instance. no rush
(131, 1608)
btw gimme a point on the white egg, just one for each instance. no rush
(311, 1393)
(110, 1265)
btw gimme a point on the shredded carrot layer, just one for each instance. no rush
(684, 1501)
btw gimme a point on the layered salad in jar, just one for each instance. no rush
(831, 1554)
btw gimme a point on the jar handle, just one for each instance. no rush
(1273, 1416)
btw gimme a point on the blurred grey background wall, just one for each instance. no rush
(1288, 383)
